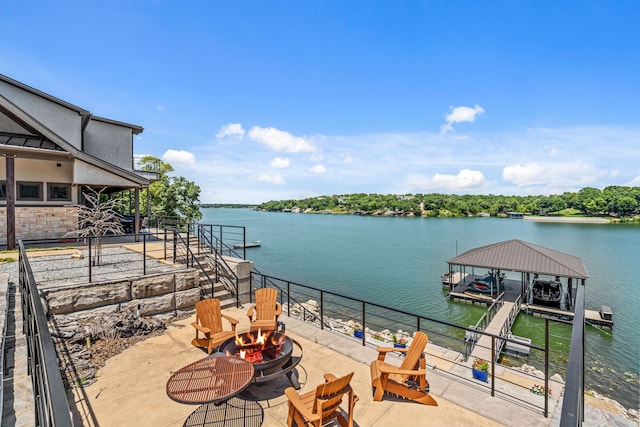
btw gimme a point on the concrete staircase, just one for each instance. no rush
(219, 291)
(206, 267)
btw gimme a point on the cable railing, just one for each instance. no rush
(183, 254)
(223, 272)
(344, 314)
(50, 402)
(225, 239)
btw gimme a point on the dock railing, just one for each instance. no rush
(341, 314)
(505, 330)
(471, 338)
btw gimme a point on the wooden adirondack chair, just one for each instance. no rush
(321, 405)
(264, 313)
(409, 380)
(209, 323)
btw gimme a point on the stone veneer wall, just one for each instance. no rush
(148, 295)
(40, 222)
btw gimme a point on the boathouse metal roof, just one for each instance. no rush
(518, 255)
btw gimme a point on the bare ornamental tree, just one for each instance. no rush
(97, 219)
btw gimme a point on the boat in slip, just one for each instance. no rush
(547, 292)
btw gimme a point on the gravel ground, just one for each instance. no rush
(58, 270)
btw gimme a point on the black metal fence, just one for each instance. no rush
(50, 401)
(346, 314)
(103, 258)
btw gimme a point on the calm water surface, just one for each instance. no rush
(397, 262)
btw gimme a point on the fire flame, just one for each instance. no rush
(255, 347)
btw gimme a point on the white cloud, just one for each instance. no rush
(280, 163)
(160, 107)
(279, 140)
(418, 162)
(460, 114)
(178, 156)
(635, 182)
(553, 174)
(465, 180)
(318, 169)
(271, 178)
(232, 130)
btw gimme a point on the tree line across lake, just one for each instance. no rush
(612, 201)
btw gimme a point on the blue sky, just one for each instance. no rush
(261, 100)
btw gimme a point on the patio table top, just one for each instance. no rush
(212, 379)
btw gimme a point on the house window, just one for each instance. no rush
(29, 190)
(59, 191)
(3, 190)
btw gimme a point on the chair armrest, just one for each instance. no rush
(231, 320)
(278, 309)
(382, 351)
(390, 349)
(294, 399)
(329, 377)
(201, 328)
(251, 310)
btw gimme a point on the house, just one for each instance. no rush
(49, 151)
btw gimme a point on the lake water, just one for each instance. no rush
(397, 262)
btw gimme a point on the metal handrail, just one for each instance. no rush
(189, 255)
(494, 307)
(50, 402)
(220, 262)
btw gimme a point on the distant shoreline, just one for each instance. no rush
(583, 220)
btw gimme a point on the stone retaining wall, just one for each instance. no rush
(148, 295)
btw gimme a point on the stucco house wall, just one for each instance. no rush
(109, 142)
(61, 119)
(58, 148)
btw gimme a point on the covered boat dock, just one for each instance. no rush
(513, 267)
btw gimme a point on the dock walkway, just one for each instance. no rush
(592, 317)
(482, 349)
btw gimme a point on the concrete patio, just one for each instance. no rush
(130, 389)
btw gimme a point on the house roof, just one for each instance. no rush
(518, 255)
(44, 95)
(33, 136)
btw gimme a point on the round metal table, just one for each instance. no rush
(210, 380)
